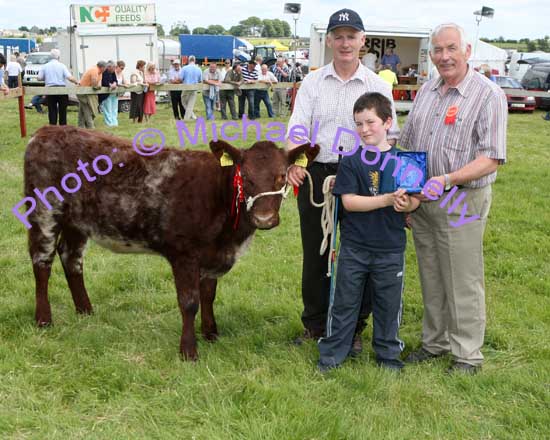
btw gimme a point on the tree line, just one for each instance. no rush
(38, 31)
(542, 44)
(250, 27)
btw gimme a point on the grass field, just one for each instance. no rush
(520, 47)
(117, 374)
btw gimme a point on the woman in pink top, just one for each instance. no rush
(151, 77)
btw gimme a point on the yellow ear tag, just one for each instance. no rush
(301, 160)
(226, 160)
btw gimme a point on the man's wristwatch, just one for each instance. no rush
(447, 182)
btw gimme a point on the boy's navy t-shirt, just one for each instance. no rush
(381, 230)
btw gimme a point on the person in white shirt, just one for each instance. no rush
(174, 77)
(226, 68)
(258, 67)
(54, 74)
(265, 77)
(14, 70)
(369, 60)
(119, 70)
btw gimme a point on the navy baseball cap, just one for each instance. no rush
(345, 18)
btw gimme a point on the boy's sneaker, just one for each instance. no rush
(393, 365)
(324, 368)
(420, 355)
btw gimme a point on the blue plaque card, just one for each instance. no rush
(413, 171)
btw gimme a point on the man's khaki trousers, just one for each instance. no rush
(450, 262)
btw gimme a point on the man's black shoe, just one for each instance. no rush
(463, 368)
(420, 355)
(308, 335)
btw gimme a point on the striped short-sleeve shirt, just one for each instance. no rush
(477, 129)
(249, 75)
(325, 100)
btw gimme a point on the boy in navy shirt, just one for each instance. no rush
(373, 240)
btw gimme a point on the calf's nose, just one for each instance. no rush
(265, 221)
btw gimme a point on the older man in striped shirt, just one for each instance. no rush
(326, 97)
(460, 119)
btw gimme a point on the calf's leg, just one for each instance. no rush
(207, 297)
(186, 275)
(71, 249)
(42, 240)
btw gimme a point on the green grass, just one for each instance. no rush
(520, 47)
(117, 374)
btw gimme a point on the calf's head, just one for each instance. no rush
(263, 169)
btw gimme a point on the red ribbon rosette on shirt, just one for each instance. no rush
(450, 117)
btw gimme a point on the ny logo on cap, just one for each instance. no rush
(344, 16)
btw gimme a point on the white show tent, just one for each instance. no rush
(486, 53)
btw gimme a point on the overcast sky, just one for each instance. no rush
(513, 18)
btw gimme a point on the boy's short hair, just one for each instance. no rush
(374, 101)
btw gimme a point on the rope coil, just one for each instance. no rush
(327, 216)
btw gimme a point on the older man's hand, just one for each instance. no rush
(422, 196)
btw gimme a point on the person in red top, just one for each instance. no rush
(152, 77)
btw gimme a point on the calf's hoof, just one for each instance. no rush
(189, 354)
(210, 336)
(43, 319)
(193, 357)
(42, 323)
(84, 310)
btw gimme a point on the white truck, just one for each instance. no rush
(411, 44)
(84, 47)
(105, 33)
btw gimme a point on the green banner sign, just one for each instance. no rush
(127, 14)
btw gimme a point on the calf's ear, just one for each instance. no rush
(219, 147)
(310, 152)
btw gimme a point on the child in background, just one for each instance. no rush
(373, 240)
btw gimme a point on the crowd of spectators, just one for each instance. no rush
(143, 101)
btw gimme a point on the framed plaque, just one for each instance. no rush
(412, 172)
